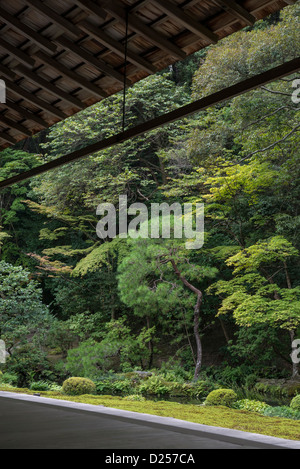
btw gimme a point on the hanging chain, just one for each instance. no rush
(125, 72)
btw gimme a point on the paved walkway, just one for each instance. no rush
(29, 422)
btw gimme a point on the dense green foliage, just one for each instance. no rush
(72, 304)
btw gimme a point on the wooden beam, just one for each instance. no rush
(100, 36)
(66, 72)
(7, 138)
(7, 73)
(236, 10)
(25, 114)
(186, 20)
(14, 125)
(117, 9)
(92, 8)
(33, 77)
(26, 31)
(90, 59)
(32, 98)
(17, 53)
(53, 17)
(220, 96)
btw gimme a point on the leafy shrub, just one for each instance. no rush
(201, 389)
(271, 390)
(115, 386)
(9, 378)
(156, 386)
(122, 387)
(78, 386)
(282, 411)
(251, 381)
(251, 405)
(104, 387)
(225, 397)
(29, 364)
(55, 387)
(39, 386)
(295, 403)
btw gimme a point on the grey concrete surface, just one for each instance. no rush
(29, 422)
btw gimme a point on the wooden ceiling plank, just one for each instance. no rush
(26, 31)
(92, 8)
(117, 9)
(90, 59)
(32, 98)
(25, 113)
(237, 10)
(64, 71)
(7, 73)
(63, 23)
(7, 138)
(14, 125)
(17, 53)
(115, 46)
(33, 77)
(186, 20)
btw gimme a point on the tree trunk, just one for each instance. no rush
(150, 346)
(196, 317)
(295, 366)
(197, 336)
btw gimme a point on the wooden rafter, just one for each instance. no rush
(115, 46)
(186, 20)
(25, 113)
(237, 10)
(75, 77)
(26, 31)
(63, 23)
(14, 125)
(90, 59)
(117, 9)
(33, 77)
(35, 100)
(7, 138)
(92, 8)
(17, 53)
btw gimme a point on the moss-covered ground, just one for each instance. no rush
(217, 416)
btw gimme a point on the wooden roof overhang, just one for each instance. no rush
(58, 57)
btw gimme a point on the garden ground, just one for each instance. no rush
(217, 416)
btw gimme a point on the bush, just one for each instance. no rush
(295, 403)
(282, 411)
(251, 381)
(29, 364)
(251, 405)
(225, 397)
(39, 386)
(272, 390)
(55, 387)
(156, 386)
(78, 386)
(9, 378)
